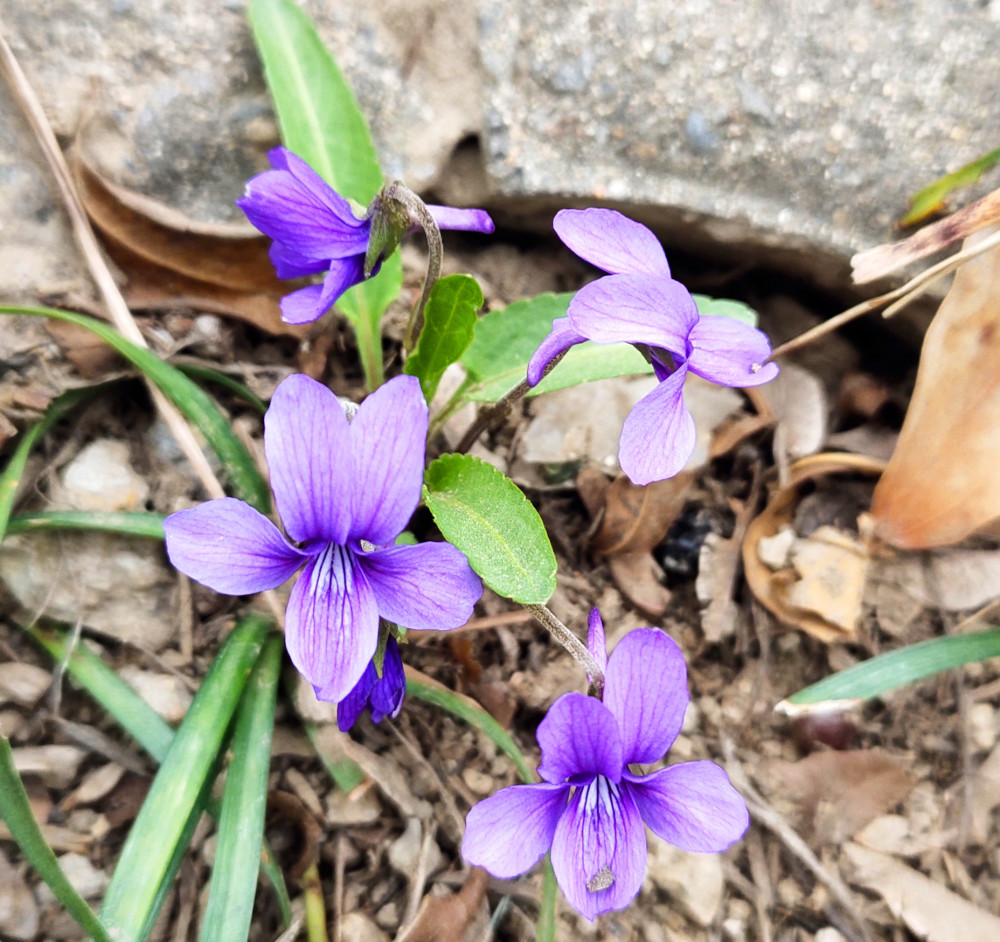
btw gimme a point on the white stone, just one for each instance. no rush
(101, 477)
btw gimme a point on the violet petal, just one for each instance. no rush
(645, 689)
(509, 832)
(658, 435)
(645, 309)
(230, 547)
(317, 188)
(463, 220)
(692, 805)
(388, 439)
(289, 264)
(349, 709)
(599, 841)
(611, 241)
(303, 306)
(579, 736)
(730, 353)
(386, 697)
(560, 339)
(429, 587)
(331, 626)
(597, 643)
(307, 445)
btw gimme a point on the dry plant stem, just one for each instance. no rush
(435, 253)
(774, 822)
(500, 408)
(570, 642)
(905, 294)
(119, 313)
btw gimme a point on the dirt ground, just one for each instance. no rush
(879, 823)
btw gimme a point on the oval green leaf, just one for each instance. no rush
(449, 324)
(487, 516)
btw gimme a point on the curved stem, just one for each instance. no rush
(570, 642)
(500, 408)
(421, 215)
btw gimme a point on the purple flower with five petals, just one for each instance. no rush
(315, 230)
(382, 695)
(638, 302)
(344, 493)
(591, 806)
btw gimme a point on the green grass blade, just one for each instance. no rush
(883, 673)
(15, 810)
(208, 375)
(474, 715)
(346, 773)
(193, 402)
(321, 121)
(123, 522)
(545, 931)
(153, 841)
(132, 713)
(10, 479)
(931, 198)
(241, 823)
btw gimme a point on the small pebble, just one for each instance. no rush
(478, 782)
(356, 927)
(85, 878)
(24, 684)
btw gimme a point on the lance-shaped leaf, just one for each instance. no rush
(449, 323)
(320, 120)
(487, 516)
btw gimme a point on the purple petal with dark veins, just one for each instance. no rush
(579, 736)
(331, 625)
(645, 689)
(307, 445)
(658, 435)
(560, 339)
(599, 849)
(230, 547)
(692, 805)
(349, 709)
(289, 264)
(611, 241)
(647, 309)
(388, 442)
(429, 587)
(386, 697)
(730, 353)
(597, 643)
(509, 832)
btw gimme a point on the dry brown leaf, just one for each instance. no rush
(447, 918)
(931, 911)
(637, 576)
(636, 518)
(941, 483)
(772, 588)
(838, 793)
(241, 264)
(886, 259)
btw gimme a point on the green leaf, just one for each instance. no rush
(346, 773)
(122, 522)
(497, 359)
(206, 373)
(883, 673)
(15, 810)
(548, 905)
(449, 324)
(488, 518)
(156, 836)
(320, 121)
(725, 307)
(195, 404)
(471, 713)
(241, 823)
(931, 198)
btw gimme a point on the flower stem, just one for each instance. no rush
(420, 215)
(370, 350)
(570, 642)
(496, 412)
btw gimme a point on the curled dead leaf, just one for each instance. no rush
(941, 484)
(774, 589)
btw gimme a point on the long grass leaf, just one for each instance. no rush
(124, 523)
(193, 402)
(241, 823)
(15, 809)
(883, 673)
(157, 831)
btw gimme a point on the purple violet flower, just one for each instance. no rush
(315, 230)
(382, 695)
(344, 493)
(590, 806)
(638, 302)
